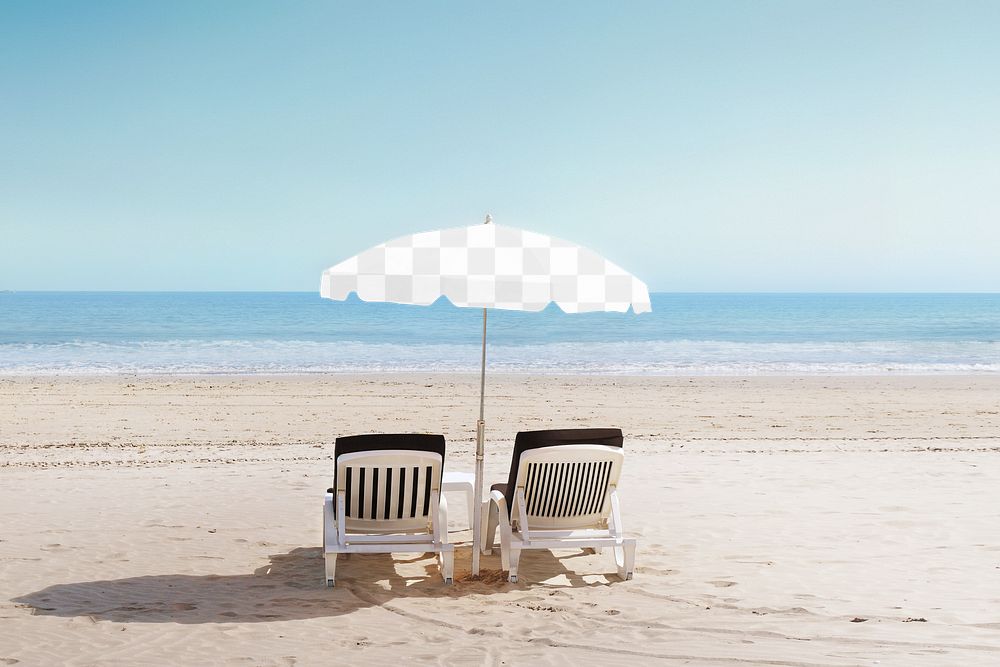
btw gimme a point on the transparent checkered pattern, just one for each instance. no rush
(487, 266)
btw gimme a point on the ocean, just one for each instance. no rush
(49, 333)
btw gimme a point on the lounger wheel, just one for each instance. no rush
(625, 559)
(514, 559)
(446, 561)
(330, 564)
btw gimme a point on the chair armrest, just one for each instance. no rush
(522, 514)
(341, 517)
(439, 523)
(616, 516)
(329, 519)
(499, 499)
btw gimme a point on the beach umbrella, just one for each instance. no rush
(486, 266)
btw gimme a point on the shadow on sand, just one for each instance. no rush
(290, 587)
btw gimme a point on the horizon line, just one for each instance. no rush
(748, 292)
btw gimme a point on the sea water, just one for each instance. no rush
(48, 333)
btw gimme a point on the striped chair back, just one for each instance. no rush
(389, 490)
(568, 486)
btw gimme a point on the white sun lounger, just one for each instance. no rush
(561, 493)
(387, 498)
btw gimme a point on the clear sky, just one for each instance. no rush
(732, 146)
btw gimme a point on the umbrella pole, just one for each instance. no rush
(476, 521)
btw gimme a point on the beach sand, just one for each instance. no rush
(781, 521)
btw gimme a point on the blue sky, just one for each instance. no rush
(731, 146)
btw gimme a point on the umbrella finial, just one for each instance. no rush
(489, 219)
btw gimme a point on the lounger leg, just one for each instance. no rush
(625, 559)
(514, 558)
(447, 561)
(331, 568)
(504, 548)
(490, 518)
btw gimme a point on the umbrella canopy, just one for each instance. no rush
(486, 266)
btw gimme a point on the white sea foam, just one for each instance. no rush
(681, 357)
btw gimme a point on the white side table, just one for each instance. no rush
(466, 483)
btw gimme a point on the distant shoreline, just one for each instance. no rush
(708, 334)
(383, 374)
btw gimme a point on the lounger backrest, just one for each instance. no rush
(527, 440)
(568, 486)
(389, 481)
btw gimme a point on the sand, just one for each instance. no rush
(781, 521)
